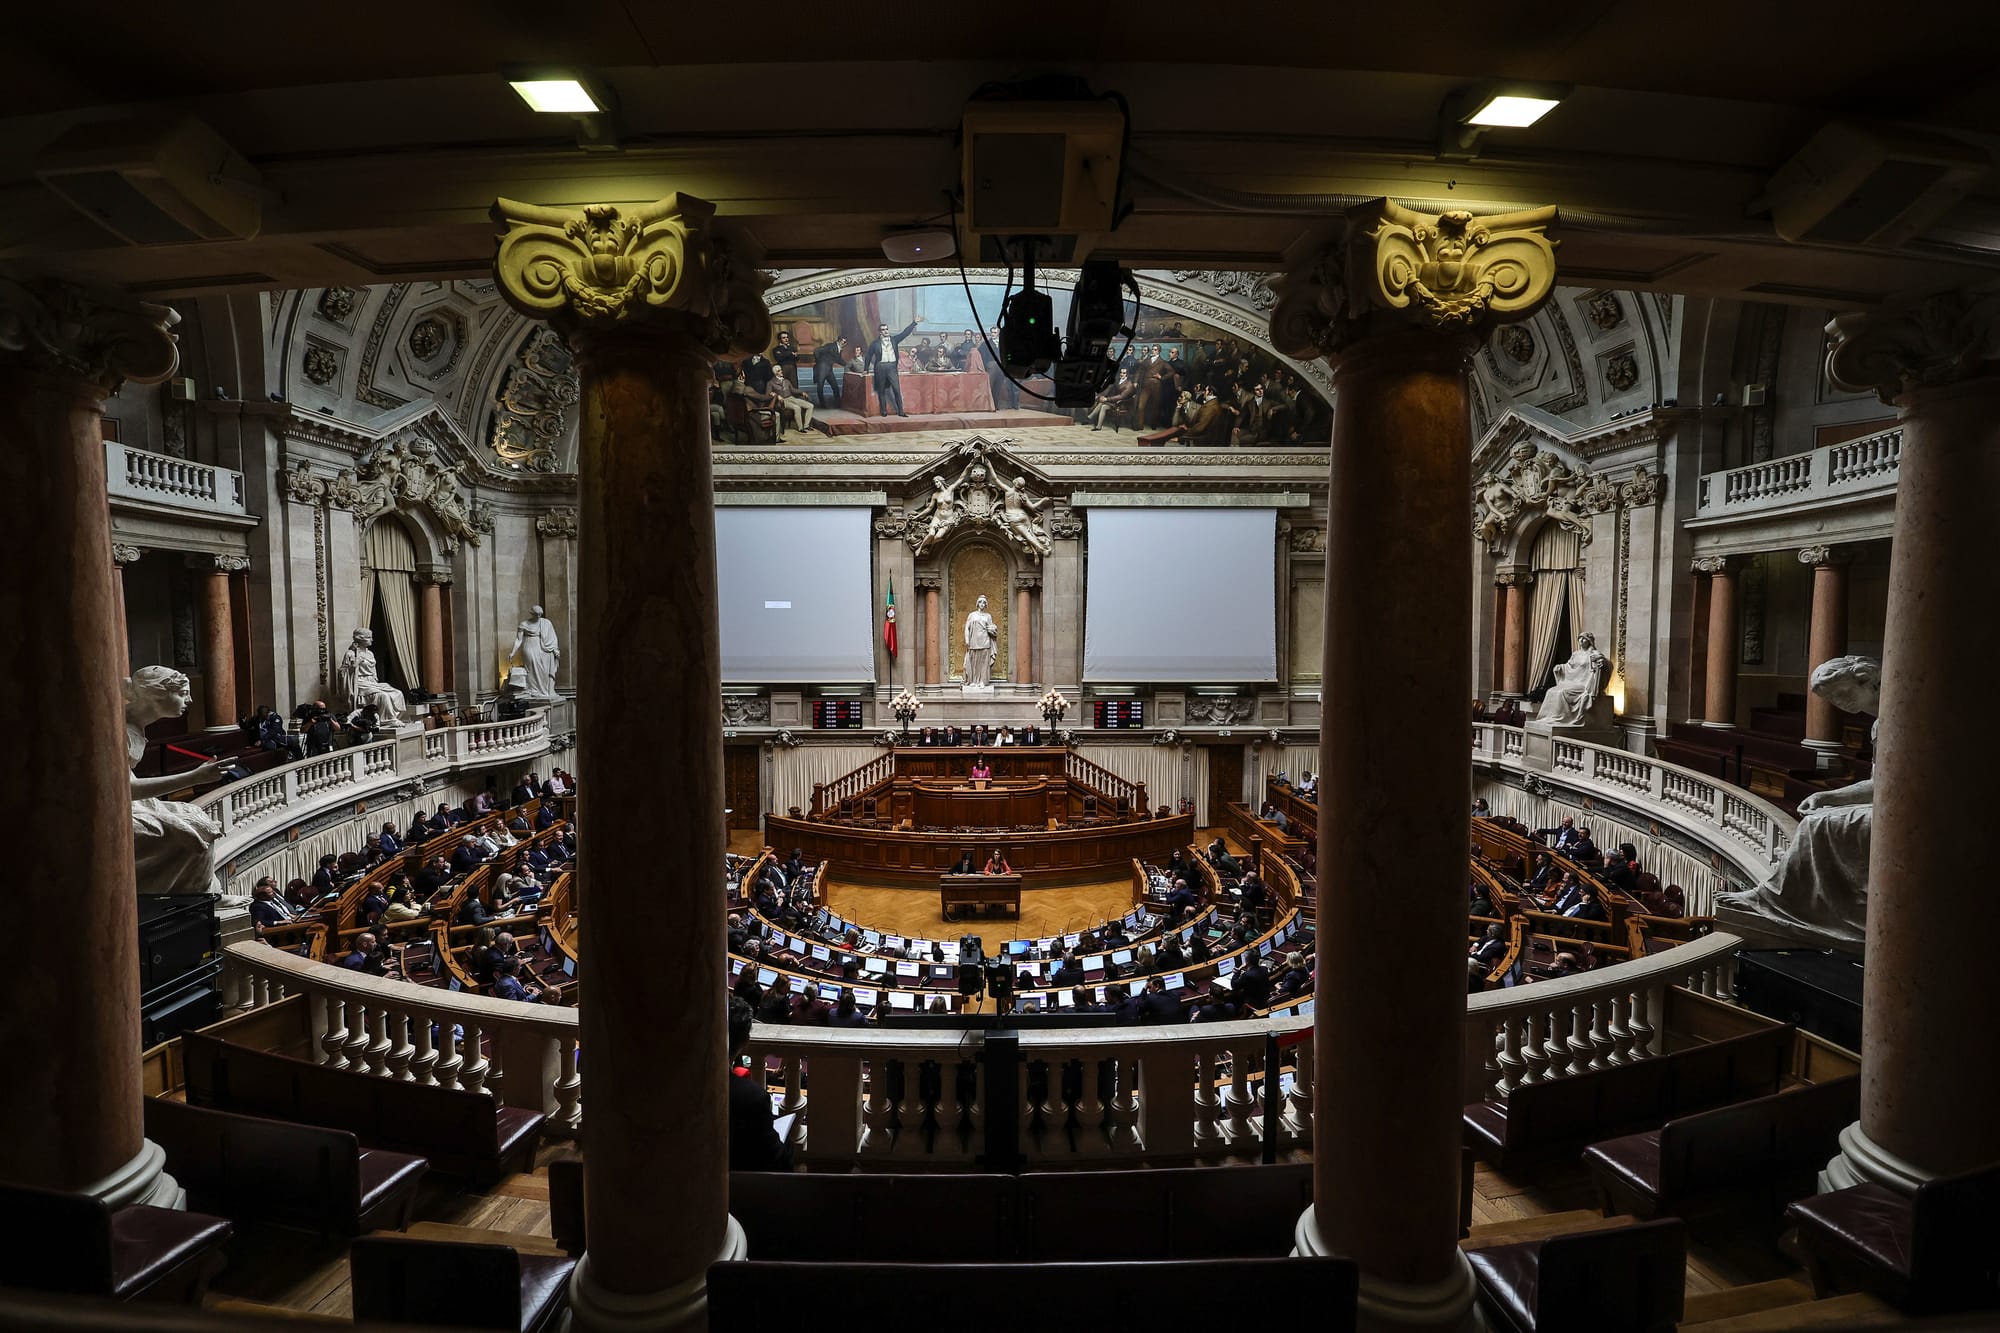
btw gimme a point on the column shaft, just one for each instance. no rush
(71, 1100)
(430, 618)
(656, 1173)
(1930, 1090)
(218, 652)
(1515, 677)
(1722, 649)
(121, 643)
(1023, 639)
(1826, 639)
(932, 674)
(1385, 1147)
(1498, 680)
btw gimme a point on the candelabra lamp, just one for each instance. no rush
(1053, 706)
(905, 706)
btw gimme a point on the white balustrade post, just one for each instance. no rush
(531, 1065)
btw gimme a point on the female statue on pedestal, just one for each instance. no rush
(536, 647)
(1820, 889)
(1578, 683)
(980, 633)
(361, 685)
(170, 839)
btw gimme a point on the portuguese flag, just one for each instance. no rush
(889, 619)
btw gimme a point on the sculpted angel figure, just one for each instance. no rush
(1021, 515)
(943, 511)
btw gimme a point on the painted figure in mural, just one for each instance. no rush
(980, 635)
(170, 839)
(536, 648)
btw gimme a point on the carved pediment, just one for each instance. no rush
(407, 472)
(975, 483)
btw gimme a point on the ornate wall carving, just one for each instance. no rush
(406, 472)
(1221, 710)
(980, 495)
(535, 408)
(976, 569)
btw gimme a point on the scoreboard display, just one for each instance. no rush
(1117, 713)
(837, 714)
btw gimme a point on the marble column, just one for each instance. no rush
(1397, 308)
(933, 596)
(1930, 1091)
(1024, 639)
(431, 585)
(72, 1099)
(121, 556)
(1497, 650)
(647, 297)
(1514, 676)
(1719, 710)
(218, 638)
(1825, 640)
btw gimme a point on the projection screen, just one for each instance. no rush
(793, 584)
(1181, 595)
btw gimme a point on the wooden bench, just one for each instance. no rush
(1768, 1148)
(1584, 1107)
(1932, 1253)
(80, 1246)
(245, 1166)
(465, 1134)
(1173, 1213)
(756, 1296)
(1628, 1278)
(454, 1285)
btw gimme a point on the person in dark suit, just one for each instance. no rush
(965, 865)
(753, 1140)
(757, 370)
(1492, 949)
(882, 361)
(1253, 983)
(786, 356)
(1068, 973)
(952, 736)
(1182, 901)
(829, 370)
(1155, 1005)
(468, 855)
(526, 790)
(507, 982)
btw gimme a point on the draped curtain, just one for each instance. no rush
(1558, 587)
(795, 770)
(1198, 781)
(1163, 768)
(1672, 864)
(390, 574)
(1294, 761)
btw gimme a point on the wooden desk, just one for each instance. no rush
(1076, 855)
(979, 891)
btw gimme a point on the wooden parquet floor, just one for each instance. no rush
(1044, 912)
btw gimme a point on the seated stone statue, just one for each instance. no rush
(170, 839)
(1579, 682)
(1820, 889)
(363, 687)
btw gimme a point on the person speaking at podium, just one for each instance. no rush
(996, 864)
(981, 770)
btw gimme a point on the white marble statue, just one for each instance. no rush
(1579, 682)
(944, 515)
(362, 686)
(536, 648)
(170, 839)
(980, 635)
(1820, 889)
(1021, 516)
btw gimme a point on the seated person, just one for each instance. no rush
(1172, 958)
(1181, 901)
(472, 912)
(1490, 950)
(1296, 978)
(267, 908)
(1481, 903)
(1271, 814)
(434, 875)
(1587, 907)
(373, 904)
(516, 893)
(1480, 810)
(366, 956)
(965, 865)
(420, 830)
(469, 855)
(1069, 972)
(1225, 864)
(1253, 983)
(545, 818)
(1155, 1005)
(507, 981)
(1583, 849)
(996, 864)
(1216, 1006)
(400, 908)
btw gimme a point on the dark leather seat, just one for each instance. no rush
(1934, 1253)
(452, 1285)
(765, 1297)
(78, 1245)
(1626, 1278)
(389, 1183)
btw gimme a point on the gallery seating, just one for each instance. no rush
(1582, 1107)
(465, 1134)
(247, 1166)
(1625, 1278)
(1756, 1148)
(80, 1246)
(1931, 1253)
(457, 1285)
(758, 1296)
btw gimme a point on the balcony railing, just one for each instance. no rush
(893, 1098)
(160, 479)
(1864, 468)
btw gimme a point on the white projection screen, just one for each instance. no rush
(1181, 595)
(793, 584)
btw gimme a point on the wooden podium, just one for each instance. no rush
(979, 891)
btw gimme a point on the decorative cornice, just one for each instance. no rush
(217, 564)
(557, 523)
(122, 554)
(1396, 268)
(1938, 340)
(1709, 564)
(926, 582)
(1308, 541)
(1514, 578)
(602, 268)
(1824, 555)
(101, 339)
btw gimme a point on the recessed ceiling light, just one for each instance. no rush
(1512, 111)
(556, 96)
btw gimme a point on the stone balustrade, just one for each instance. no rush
(1854, 469)
(279, 798)
(140, 475)
(1750, 833)
(893, 1097)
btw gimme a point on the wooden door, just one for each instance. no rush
(740, 765)
(1225, 780)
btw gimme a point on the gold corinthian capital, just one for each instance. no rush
(602, 268)
(1392, 268)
